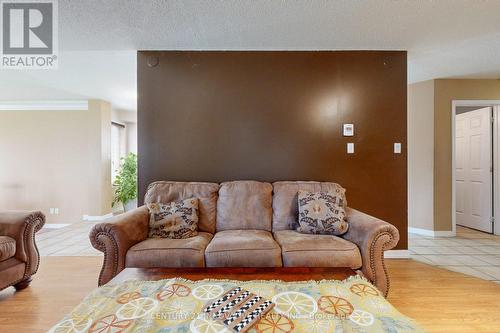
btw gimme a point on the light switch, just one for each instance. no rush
(350, 148)
(397, 148)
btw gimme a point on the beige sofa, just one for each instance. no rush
(243, 224)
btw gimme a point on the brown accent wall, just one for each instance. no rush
(217, 116)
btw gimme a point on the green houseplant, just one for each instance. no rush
(125, 183)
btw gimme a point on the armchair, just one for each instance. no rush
(19, 257)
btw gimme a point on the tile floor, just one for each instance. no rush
(72, 240)
(471, 252)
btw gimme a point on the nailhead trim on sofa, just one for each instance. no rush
(101, 246)
(372, 259)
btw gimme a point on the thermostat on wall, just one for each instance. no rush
(348, 130)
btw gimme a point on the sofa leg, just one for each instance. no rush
(23, 284)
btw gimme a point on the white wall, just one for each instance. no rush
(56, 159)
(421, 155)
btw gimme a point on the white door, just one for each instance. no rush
(473, 169)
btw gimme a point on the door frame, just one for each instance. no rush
(495, 105)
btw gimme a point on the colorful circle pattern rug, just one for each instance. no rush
(175, 306)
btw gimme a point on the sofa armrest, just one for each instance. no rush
(373, 236)
(115, 236)
(22, 226)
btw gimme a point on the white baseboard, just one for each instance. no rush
(431, 233)
(97, 217)
(54, 225)
(397, 254)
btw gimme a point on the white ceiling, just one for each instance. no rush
(107, 75)
(98, 39)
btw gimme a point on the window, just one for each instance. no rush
(118, 147)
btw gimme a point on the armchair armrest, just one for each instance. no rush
(115, 236)
(22, 226)
(373, 236)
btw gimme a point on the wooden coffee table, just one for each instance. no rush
(242, 274)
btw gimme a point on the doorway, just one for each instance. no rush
(475, 137)
(474, 168)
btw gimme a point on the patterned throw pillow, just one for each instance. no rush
(177, 219)
(322, 213)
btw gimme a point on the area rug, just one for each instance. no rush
(175, 306)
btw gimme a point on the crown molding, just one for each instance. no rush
(67, 105)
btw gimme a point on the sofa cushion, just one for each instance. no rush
(244, 205)
(285, 206)
(7, 247)
(177, 219)
(303, 250)
(243, 248)
(206, 193)
(168, 252)
(9, 263)
(11, 271)
(322, 213)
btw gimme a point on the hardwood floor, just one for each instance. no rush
(60, 284)
(440, 300)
